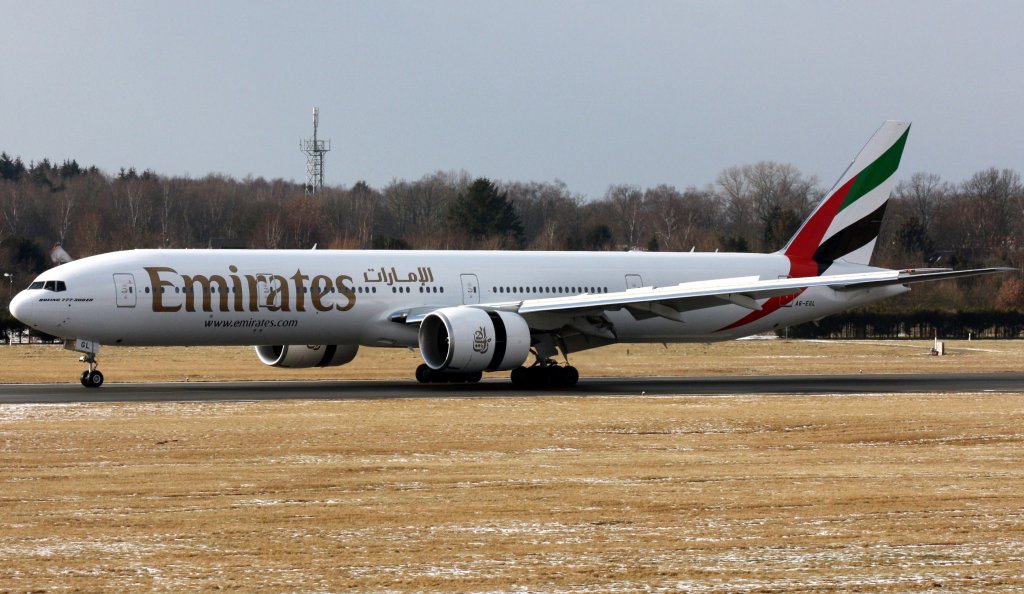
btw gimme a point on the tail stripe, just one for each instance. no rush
(807, 242)
(809, 237)
(850, 239)
(876, 173)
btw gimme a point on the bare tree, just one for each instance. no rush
(63, 214)
(924, 194)
(549, 212)
(628, 202)
(766, 201)
(11, 213)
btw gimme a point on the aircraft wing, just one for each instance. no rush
(917, 276)
(672, 301)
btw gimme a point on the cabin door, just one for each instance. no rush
(124, 285)
(269, 290)
(470, 289)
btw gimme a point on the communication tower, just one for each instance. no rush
(314, 149)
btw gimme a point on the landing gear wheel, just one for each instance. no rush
(570, 377)
(544, 376)
(426, 375)
(520, 377)
(92, 379)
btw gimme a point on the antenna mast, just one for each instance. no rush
(314, 149)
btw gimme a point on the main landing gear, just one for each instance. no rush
(546, 374)
(537, 376)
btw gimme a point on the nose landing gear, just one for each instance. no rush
(91, 378)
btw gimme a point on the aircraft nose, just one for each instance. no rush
(20, 307)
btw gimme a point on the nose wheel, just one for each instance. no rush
(91, 378)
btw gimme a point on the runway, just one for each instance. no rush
(371, 390)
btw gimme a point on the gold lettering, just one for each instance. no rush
(300, 292)
(345, 290)
(158, 285)
(254, 290)
(321, 285)
(205, 284)
(271, 292)
(281, 289)
(236, 286)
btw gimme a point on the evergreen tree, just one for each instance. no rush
(599, 238)
(11, 169)
(482, 211)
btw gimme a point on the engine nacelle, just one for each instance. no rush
(312, 355)
(469, 339)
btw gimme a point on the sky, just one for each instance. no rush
(591, 93)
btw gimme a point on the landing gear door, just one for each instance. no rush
(470, 289)
(124, 285)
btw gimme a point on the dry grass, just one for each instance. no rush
(576, 494)
(870, 494)
(44, 364)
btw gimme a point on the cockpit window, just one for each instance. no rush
(55, 286)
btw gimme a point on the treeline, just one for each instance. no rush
(925, 324)
(756, 208)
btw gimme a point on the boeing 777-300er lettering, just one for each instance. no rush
(474, 311)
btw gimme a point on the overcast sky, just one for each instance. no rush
(591, 93)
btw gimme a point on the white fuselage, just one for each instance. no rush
(267, 297)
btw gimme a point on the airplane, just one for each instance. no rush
(470, 312)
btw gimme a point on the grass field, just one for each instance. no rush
(874, 493)
(51, 363)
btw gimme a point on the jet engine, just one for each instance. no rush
(312, 355)
(470, 340)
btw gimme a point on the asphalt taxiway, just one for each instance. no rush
(369, 390)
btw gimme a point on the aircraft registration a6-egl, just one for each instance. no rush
(474, 311)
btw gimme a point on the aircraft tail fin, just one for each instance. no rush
(845, 225)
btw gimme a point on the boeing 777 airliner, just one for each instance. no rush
(474, 311)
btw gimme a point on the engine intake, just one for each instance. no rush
(469, 339)
(312, 355)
